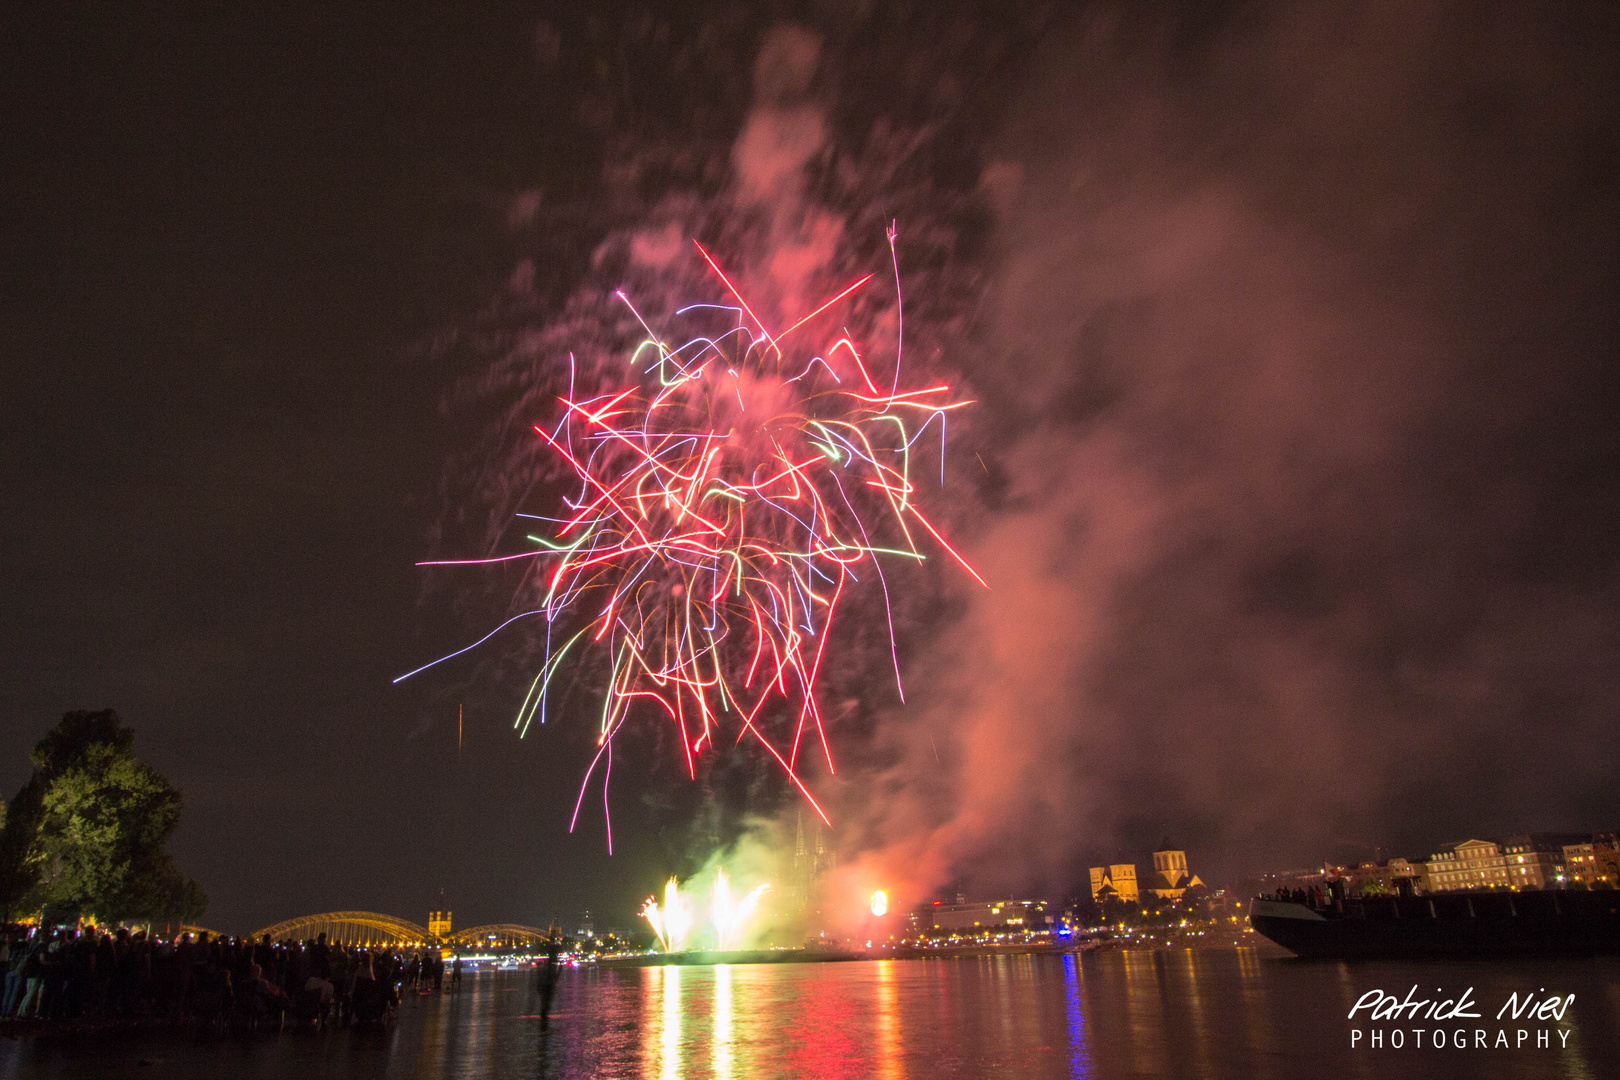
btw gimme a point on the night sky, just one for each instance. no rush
(1295, 470)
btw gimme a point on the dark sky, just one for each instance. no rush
(1296, 340)
(223, 233)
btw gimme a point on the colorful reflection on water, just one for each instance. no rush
(1192, 1014)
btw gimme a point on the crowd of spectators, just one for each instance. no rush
(81, 973)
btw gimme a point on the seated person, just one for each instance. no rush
(265, 995)
(320, 985)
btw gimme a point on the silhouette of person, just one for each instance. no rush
(550, 973)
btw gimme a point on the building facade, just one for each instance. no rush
(813, 859)
(1472, 864)
(1114, 882)
(1580, 864)
(1171, 879)
(1380, 877)
(1536, 860)
(1520, 861)
(1606, 853)
(1015, 915)
(1594, 863)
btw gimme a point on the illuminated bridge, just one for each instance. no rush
(497, 936)
(368, 928)
(349, 928)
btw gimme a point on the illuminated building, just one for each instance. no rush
(438, 924)
(1114, 882)
(1472, 864)
(1594, 863)
(1580, 863)
(1606, 850)
(1522, 861)
(1016, 915)
(1536, 860)
(1385, 876)
(1170, 876)
(1606, 853)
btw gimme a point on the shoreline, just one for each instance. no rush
(703, 958)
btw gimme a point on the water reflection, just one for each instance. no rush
(889, 1065)
(1143, 1017)
(1079, 1059)
(1166, 1014)
(671, 1041)
(722, 1022)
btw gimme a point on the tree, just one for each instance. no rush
(19, 873)
(87, 833)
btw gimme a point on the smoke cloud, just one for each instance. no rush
(1292, 471)
(1297, 361)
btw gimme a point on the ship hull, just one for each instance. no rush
(1446, 926)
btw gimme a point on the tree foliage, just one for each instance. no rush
(17, 873)
(86, 834)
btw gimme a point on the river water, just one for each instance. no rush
(1232, 1013)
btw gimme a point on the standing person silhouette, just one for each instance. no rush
(548, 975)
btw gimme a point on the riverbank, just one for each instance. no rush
(735, 956)
(833, 956)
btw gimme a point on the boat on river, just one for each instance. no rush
(1443, 925)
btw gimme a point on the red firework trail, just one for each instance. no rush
(727, 494)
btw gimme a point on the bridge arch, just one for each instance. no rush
(349, 928)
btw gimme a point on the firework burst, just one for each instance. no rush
(729, 916)
(727, 496)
